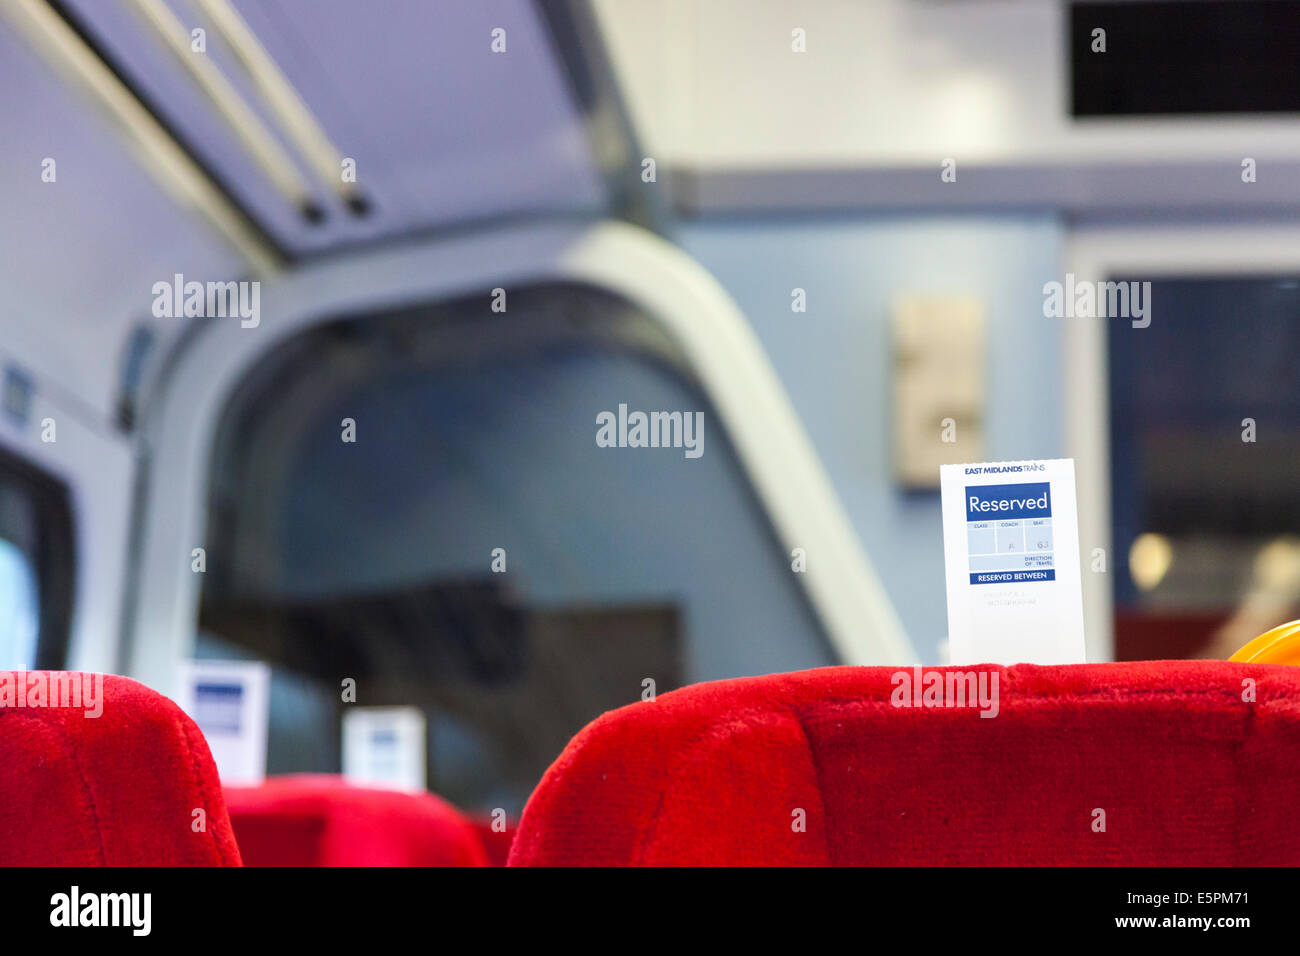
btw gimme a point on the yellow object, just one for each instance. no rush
(1278, 646)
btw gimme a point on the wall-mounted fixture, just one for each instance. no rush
(939, 387)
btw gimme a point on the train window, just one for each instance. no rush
(35, 568)
(19, 603)
(1205, 467)
(466, 511)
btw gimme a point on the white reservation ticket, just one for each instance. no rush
(1011, 548)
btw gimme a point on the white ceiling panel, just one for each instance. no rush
(443, 130)
(79, 256)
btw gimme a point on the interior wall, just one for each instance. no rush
(834, 360)
(883, 82)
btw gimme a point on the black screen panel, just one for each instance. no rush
(1186, 56)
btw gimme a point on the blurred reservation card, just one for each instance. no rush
(1011, 548)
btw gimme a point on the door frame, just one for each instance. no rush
(187, 403)
(1095, 253)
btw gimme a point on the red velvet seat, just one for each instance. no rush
(496, 843)
(1184, 770)
(118, 789)
(321, 820)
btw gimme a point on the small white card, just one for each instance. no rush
(228, 700)
(1011, 548)
(384, 747)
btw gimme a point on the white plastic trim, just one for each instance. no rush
(669, 286)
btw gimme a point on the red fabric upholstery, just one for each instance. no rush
(117, 789)
(496, 843)
(321, 820)
(1185, 771)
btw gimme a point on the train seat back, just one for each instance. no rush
(98, 770)
(1134, 764)
(321, 820)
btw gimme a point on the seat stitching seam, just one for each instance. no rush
(202, 793)
(797, 714)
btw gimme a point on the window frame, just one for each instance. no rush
(55, 560)
(188, 395)
(1096, 252)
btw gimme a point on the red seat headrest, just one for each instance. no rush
(496, 843)
(1142, 763)
(321, 820)
(101, 770)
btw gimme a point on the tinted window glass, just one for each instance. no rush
(1205, 457)
(19, 603)
(35, 568)
(474, 551)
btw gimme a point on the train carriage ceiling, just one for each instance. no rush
(442, 130)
